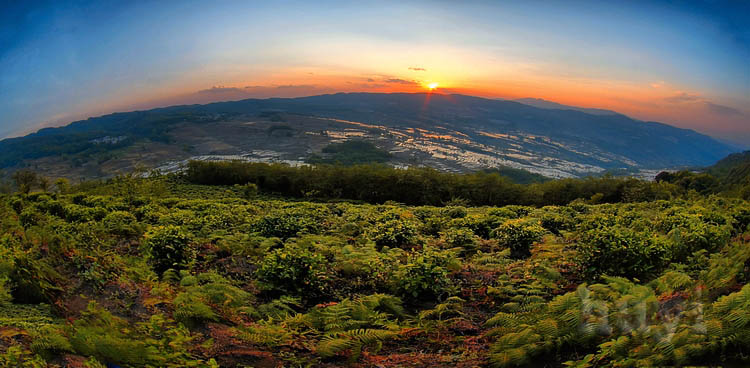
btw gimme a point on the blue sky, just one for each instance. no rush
(683, 63)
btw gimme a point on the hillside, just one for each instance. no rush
(448, 132)
(733, 169)
(544, 104)
(158, 272)
(729, 176)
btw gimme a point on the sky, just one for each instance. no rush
(684, 63)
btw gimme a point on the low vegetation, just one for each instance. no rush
(164, 272)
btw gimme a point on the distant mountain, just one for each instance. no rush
(544, 104)
(448, 132)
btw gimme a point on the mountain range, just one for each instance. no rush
(447, 131)
(544, 104)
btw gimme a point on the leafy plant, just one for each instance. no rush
(519, 236)
(619, 251)
(168, 247)
(393, 231)
(424, 277)
(293, 269)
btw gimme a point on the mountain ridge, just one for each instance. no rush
(546, 104)
(452, 131)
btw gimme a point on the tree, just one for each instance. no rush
(4, 185)
(25, 180)
(62, 185)
(43, 183)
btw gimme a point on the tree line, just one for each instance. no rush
(421, 186)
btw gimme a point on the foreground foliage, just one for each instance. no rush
(157, 272)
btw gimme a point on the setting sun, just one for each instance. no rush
(432, 85)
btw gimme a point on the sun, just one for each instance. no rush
(433, 85)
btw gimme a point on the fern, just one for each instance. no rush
(451, 307)
(266, 333)
(354, 340)
(279, 308)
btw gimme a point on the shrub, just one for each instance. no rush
(150, 213)
(30, 217)
(293, 269)
(393, 233)
(156, 342)
(519, 236)
(463, 238)
(168, 247)
(694, 235)
(15, 356)
(620, 251)
(286, 224)
(248, 245)
(17, 204)
(35, 280)
(77, 213)
(350, 229)
(455, 211)
(121, 223)
(480, 225)
(249, 190)
(364, 268)
(425, 275)
(4, 290)
(557, 221)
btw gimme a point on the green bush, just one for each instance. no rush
(121, 223)
(5, 290)
(30, 216)
(557, 221)
(519, 236)
(77, 213)
(693, 235)
(424, 277)
(620, 251)
(393, 233)
(455, 212)
(364, 268)
(7, 263)
(286, 224)
(156, 342)
(293, 269)
(168, 247)
(482, 225)
(34, 280)
(463, 238)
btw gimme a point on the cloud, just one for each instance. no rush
(683, 97)
(703, 103)
(400, 81)
(722, 110)
(713, 108)
(367, 85)
(417, 69)
(658, 84)
(223, 93)
(295, 86)
(221, 89)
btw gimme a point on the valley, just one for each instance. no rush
(452, 133)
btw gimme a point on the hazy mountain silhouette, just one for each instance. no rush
(544, 104)
(467, 131)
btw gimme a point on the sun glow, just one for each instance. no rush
(432, 85)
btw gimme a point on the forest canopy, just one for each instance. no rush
(421, 186)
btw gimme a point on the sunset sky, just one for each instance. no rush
(685, 65)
